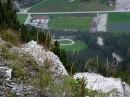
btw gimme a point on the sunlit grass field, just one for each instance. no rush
(22, 18)
(119, 18)
(64, 5)
(79, 23)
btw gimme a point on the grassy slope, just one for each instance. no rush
(79, 45)
(119, 18)
(54, 5)
(22, 18)
(71, 23)
(77, 5)
(94, 5)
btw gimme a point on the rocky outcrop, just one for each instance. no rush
(40, 54)
(98, 82)
(9, 86)
(5, 72)
(22, 90)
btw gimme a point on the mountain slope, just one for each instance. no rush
(25, 85)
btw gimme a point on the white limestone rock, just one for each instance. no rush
(40, 54)
(6, 72)
(98, 82)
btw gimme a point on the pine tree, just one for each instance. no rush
(9, 4)
(60, 53)
(0, 13)
(8, 15)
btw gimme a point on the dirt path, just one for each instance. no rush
(28, 19)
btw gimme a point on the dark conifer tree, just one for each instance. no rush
(0, 13)
(9, 4)
(60, 53)
(8, 15)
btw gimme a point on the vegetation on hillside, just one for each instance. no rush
(26, 71)
(8, 15)
(14, 32)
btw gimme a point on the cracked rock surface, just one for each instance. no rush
(98, 82)
(41, 55)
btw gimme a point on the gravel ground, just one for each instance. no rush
(102, 22)
(122, 5)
